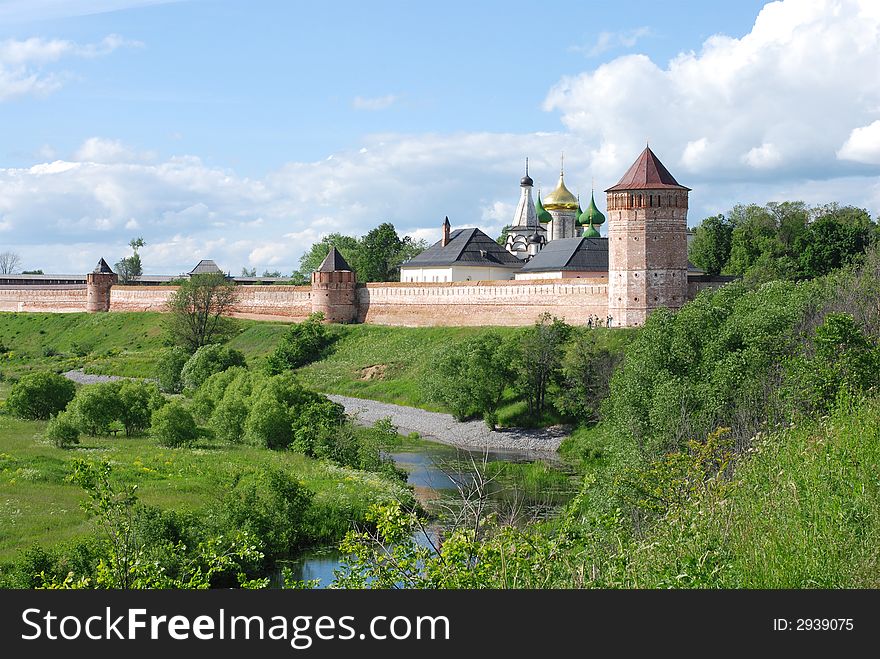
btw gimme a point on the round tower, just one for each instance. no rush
(334, 289)
(562, 206)
(98, 285)
(647, 242)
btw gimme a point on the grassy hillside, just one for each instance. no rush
(110, 343)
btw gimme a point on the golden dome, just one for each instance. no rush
(560, 198)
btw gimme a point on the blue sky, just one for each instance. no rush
(243, 131)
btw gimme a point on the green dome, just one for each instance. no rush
(592, 215)
(543, 215)
(591, 232)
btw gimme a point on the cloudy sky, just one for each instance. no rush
(244, 131)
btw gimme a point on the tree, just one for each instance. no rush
(40, 395)
(197, 311)
(835, 238)
(138, 401)
(311, 260)
(586, 378)
(168, 369)
(248, 273)
(62, 430)
(174, 426)
(130, 267)
(96, 407)
(470, 377)
(536, 359)
(32, 272)
(502, 239)
(206, 361)
(302, 344)
(710, 247)
(9, 263)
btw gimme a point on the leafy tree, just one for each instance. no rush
(311, 260)
(586, 378)
(536, 359)
(137, 402)
(470, 377)
(9, 263)
(40, 395)
(502, 239)
(834, 239)
(206, 361)
(271, 273)
(248, 273)
(378, 254)
(32, 272)
(198, 309)
(96, 407)
(169, 367)
(130, 267)
(173, 425)
(710, 247)
(270, 505)
(302, 344)
(62, 430)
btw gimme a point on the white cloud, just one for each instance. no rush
(782, 99)
(862, 145)
(375, 103)
(23, 62)
(101, 150)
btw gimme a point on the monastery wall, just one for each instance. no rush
(54, 299)
(508, 303)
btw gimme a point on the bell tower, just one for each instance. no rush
(647, 242)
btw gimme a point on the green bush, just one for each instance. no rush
(173, 425)
(208, 360)
(302, 344)
(96, 407)
(138, 400)
(62, 430)
(169, 367)
(40, 395)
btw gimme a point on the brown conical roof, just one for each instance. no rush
(647, 173)
(103, 268)
(333, 262)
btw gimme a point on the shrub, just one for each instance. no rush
(173, 425)
(138, 401)
(212, 390)
(208, 360)
(40, 395)
(168, 369)
(96, 407)
(302, 344)
(62, 430)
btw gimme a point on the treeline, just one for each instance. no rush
(787, 240)
(375, 256)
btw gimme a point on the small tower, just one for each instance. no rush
(591, 219)
(334, 289)
(647, 242)
(563, 208)
(98, 284)
(525, 221)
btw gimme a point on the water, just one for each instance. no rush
(437, 472)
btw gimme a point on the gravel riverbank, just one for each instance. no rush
(445, 429)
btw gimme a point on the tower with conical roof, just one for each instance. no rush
(334, 289)
(525, 221)
(647, 242)
(98, 284)
(563, 208)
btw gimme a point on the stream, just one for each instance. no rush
(435, 472)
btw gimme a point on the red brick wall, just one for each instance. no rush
(58, 299)
(507, 303)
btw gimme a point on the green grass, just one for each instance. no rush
(37, 504)
(110, 343)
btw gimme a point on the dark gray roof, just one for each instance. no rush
(205, 267)
(577, 254)
(333, 262)
(103, 268)
(465, 246)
